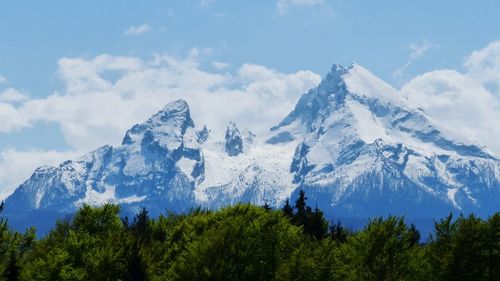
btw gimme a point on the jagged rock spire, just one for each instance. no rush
(234, 142)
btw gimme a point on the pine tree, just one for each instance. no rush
(136, 267)
(300, 203)
(140, 226)
(126, 222)
(415, 235)
(469, 261)
(267, 207)
(13, 269)
(287, 209)
(301, 215)
(316, 224)
(337, 232)
(492, 244)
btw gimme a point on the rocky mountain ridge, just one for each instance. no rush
(354, 144)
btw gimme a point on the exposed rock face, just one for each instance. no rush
(356, 146)
(202, 135)
(234, 142)
(365, 150)
(157, 165)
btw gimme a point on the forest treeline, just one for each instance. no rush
(246, 242)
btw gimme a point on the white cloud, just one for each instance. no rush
(220, 65)
(95, 109)
(467, 101)
(106, 95)
(205, 3)
(17, 166)
(284, 5)
(137, 30)
(416, 51)
(11, 118)
(11, 95)
(484, 65)
(3, 80)
(81, 75)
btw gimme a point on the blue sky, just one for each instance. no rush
(376, 34)
(59, 57)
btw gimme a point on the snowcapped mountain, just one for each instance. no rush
(157, 164)
(365, 150)
(354, 144)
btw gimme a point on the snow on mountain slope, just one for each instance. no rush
(366, 149)
(259, 174)
(165, 163)
(157, 166)
(354, 144)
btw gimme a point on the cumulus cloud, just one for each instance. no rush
(11, 118)
(17, 166)
(468, 102)
(137, 30)
(11, 95)
(284, 5)
(3, 80)
(484, 65)
(220, 65)
(104, 96)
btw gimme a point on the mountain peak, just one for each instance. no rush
(355, 82)
(234, 141)
(175, 116)
(335, 76)
(178, 105)
(314, 104)
(361, 82)
(177, 108)
(338, 69)
(352, 143)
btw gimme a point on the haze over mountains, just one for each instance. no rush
(355, 145)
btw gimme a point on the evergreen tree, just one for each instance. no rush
(440, 247)
(13, 269)
(13, 246)
(492, 245)
(338, 233)
(300, 204)
(317, 225)
(245, 242)
(458, 249)
(287, 209)
(136, 267)
(126, 222)
(303, 212)
(267, 207)
(140, 226)
(414, 234)
(469, 259)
